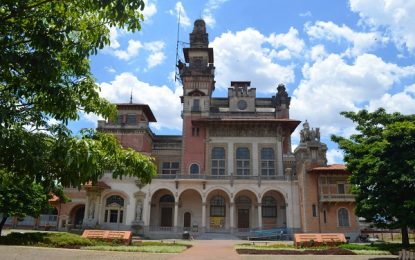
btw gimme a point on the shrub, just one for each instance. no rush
(65, 240)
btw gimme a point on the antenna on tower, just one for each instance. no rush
(177, 48)
(131, 97)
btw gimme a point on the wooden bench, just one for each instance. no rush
(109, 235)
(316, 239)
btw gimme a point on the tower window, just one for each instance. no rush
(314, 210)
(195, 131)
(196, 105)
(131, 119)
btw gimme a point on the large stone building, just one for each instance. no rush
(231, 170)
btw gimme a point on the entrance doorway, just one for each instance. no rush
(166, 217)
(79, 217)
(243, 218)
(187, 219)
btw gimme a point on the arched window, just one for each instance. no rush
(167, 198)
(243, 159)
(194, 169)
(343, 217)
(218, 161)
(269, 207)
(267, 161)
(243, 200)
(217, 206)
(114, 209)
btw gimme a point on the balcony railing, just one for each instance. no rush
(224, 177)
(337, 197)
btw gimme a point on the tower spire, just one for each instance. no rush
(131, 97)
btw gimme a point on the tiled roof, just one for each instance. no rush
(99, 184)
(54, 198)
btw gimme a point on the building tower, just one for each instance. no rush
(197, 76)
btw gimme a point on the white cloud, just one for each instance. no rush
(164, 102)
(242, 56)
(305, 14)
(131, 52)
(403, 102)
(334, 156)
(157, 55)
(184, 19)
(150, 9)
(114, 38)
(331, 86)
(317, 52)
(361, 41)
(397, 16)
(210, 7)
(110, 69)
(290, 41)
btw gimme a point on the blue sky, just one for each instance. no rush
(333, 56)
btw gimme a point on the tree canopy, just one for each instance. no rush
(381, 158)
(45, 81)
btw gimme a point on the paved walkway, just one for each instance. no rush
(210, 249)
(201, 250)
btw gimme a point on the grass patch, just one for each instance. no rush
(173, 248)
(263, 246)
(390, 248)
(56, 239)
(360, 249)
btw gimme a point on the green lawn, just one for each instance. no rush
(360, 249)
(68, 240)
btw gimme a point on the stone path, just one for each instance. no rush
(210, 249)
(201, 250)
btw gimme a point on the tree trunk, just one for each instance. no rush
(3, 220)
(405, 237)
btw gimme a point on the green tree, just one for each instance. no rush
(45, 46)
(381, 158)
(20, 197)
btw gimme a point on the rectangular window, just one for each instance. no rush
(243, 159)
(131, 119)
(340, 188)
(324, 216)
(267, 162)
(121, 216)
(120, 119)
(196, 105)
(195, 131)
(106, 216)
(314, 209)
(218, 161)
(113, 216)
(170, 167)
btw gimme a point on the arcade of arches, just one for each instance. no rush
(217, 210)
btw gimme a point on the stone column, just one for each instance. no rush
(176, 214)
(232, 215)
(147, 213)
(259, 215)
(98, 211)
(204, 216)
(280, 166)
(86, 210)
